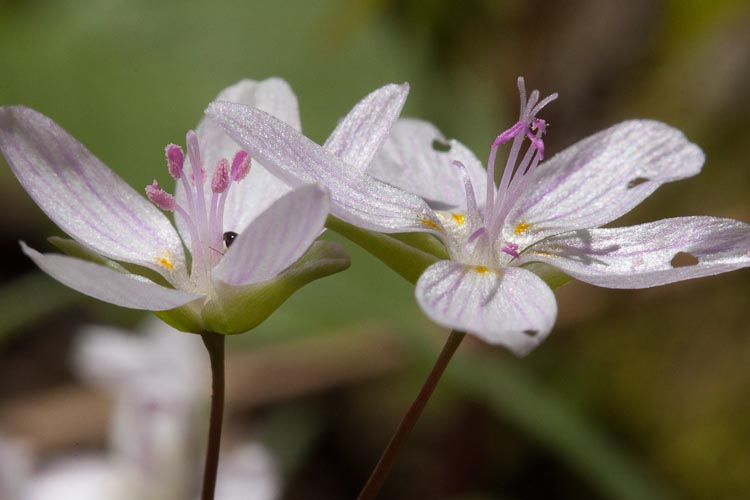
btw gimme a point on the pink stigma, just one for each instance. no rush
(175, 160)
(240, 166)
(220, 180)
(159, 197)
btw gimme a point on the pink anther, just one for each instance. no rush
(175, 160)
(220, 180)
(240, 166)
(511, 249)
(159, 197)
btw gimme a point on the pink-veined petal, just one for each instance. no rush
(602, 177)
(415, 159)
(103, 283)
(511, 306)
(274, 96)
(260, 188)
(649, 254)
(85, 198)
(355, 197)
(359, 135)
(276, 239)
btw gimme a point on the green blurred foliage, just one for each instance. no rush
(663, 372)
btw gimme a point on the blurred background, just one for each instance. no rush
(635, 395)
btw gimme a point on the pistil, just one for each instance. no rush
(516, 175)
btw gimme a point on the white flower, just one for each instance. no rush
(126, 252)
(500, 239)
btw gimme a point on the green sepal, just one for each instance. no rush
(427, 242)
(231, 310)
(72, 248)
(393, 251)
(185, 318)
(552, 276)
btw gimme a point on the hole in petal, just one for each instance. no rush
(441, 146)
(637, 182)
(531, 333)
(684, 259)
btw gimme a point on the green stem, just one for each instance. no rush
(387, 459)
(215, 345)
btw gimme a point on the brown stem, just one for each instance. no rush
(215, 345)
(387, 459)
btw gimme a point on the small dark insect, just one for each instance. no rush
(229, 237)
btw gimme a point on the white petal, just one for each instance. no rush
(276, 239)
(260, 188)
(248, 473)
(650, 254)
(510, 306)
(89, 478)
(84, 197)
(602, 177)
(161, 361)
(16, 463)
(274, 96)
(126, 290)
(356, 198)
(413, 159)
(359, 135)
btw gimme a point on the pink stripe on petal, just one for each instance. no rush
(649, 254)
(359, 135)
(510, 306)
(276, 238)
(602, 177)
(355, 198)
(108, 285)
(81, 195)
(419, 159)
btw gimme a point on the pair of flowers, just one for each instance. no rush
(251, 245)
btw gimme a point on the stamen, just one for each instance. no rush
(476, 234)
(509, 134)
(194, 153)
(160, 198)
(471, 202)
(175, 160)
(220, 180)
(219, 186)
(511, 249)
(199, 214)
(240, 166)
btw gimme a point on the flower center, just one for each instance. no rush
(484, 243)
(203, 216)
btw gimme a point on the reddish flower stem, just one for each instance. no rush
(388, 458)
(215, 345)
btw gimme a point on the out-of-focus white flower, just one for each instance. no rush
(159, 382)
(15, 467)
